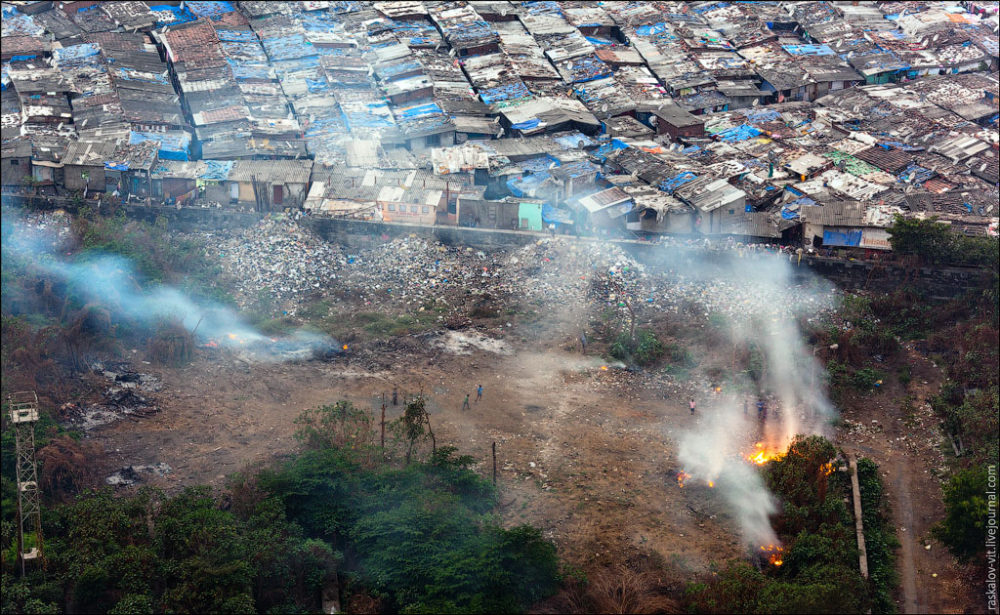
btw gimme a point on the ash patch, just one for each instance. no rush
(133, 474)
(126, 397)
(467, 342)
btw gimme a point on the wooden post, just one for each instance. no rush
(858, 523)
(494, 463)
(383, 424)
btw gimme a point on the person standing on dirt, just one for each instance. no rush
(744, 406)
(583, 342)
(692, 404)
(760, 409)
(479, 392)
(395, 396)
(465, 404)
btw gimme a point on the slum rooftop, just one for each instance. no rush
(740, 118)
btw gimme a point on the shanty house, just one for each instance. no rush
(606, 208)
(656, 211)
(676, 122)
(16, 162)
(409, 205)
(280, 183)
(480, 213)
(83, 165)
(716, 200)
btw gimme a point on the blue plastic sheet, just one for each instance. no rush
(738, 133)
(208, 8)
(218, 170)
(673, 183)
(652, 29)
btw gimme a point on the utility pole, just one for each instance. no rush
(24, 415)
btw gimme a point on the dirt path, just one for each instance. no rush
(904, 525)
(906, 442)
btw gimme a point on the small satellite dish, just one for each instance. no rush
(755, 102)
(496, 120)
(604, 108)
(451, 52)
(579, 144)
(503, 12)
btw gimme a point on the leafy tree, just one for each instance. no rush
(963, 529)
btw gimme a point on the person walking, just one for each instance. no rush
(395, 396)
(479, 392)
(692, 405)
(760, 409)
(465, 404)
(583, 342)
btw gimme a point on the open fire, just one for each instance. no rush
(681, 477)
(763, 453)
(773, 554)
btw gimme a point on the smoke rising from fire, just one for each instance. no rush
(719, 445)
(112, 281)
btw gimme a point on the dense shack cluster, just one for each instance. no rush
(786, 122)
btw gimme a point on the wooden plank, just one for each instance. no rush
(858, 523)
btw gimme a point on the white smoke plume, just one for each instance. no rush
(112, 281)
(763, 310)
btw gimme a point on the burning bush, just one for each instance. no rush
(172, 344)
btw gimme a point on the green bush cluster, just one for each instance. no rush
(645, 349)
(880, 538)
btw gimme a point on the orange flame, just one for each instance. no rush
(345, 346)
(827, 468)
(711, 484)
(231, 336)
(604, 368)
(681, 477)
(774, 554)
(764, 454)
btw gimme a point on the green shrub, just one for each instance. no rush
(867, 379)
(966, 513)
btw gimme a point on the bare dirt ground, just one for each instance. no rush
(584, 453)
(907, 444)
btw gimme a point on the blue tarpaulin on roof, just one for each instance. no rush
(808, 50)
(603, 151)
(76, 53)
(669, 185)
(510, 91)
(421, 110)
(539, 164)
(528, 125)
(649, 30)
(598, 41)
(174, 145)
(171, 15)
(112, 165)
(738, 133)
(217, 171)
(209, 8)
